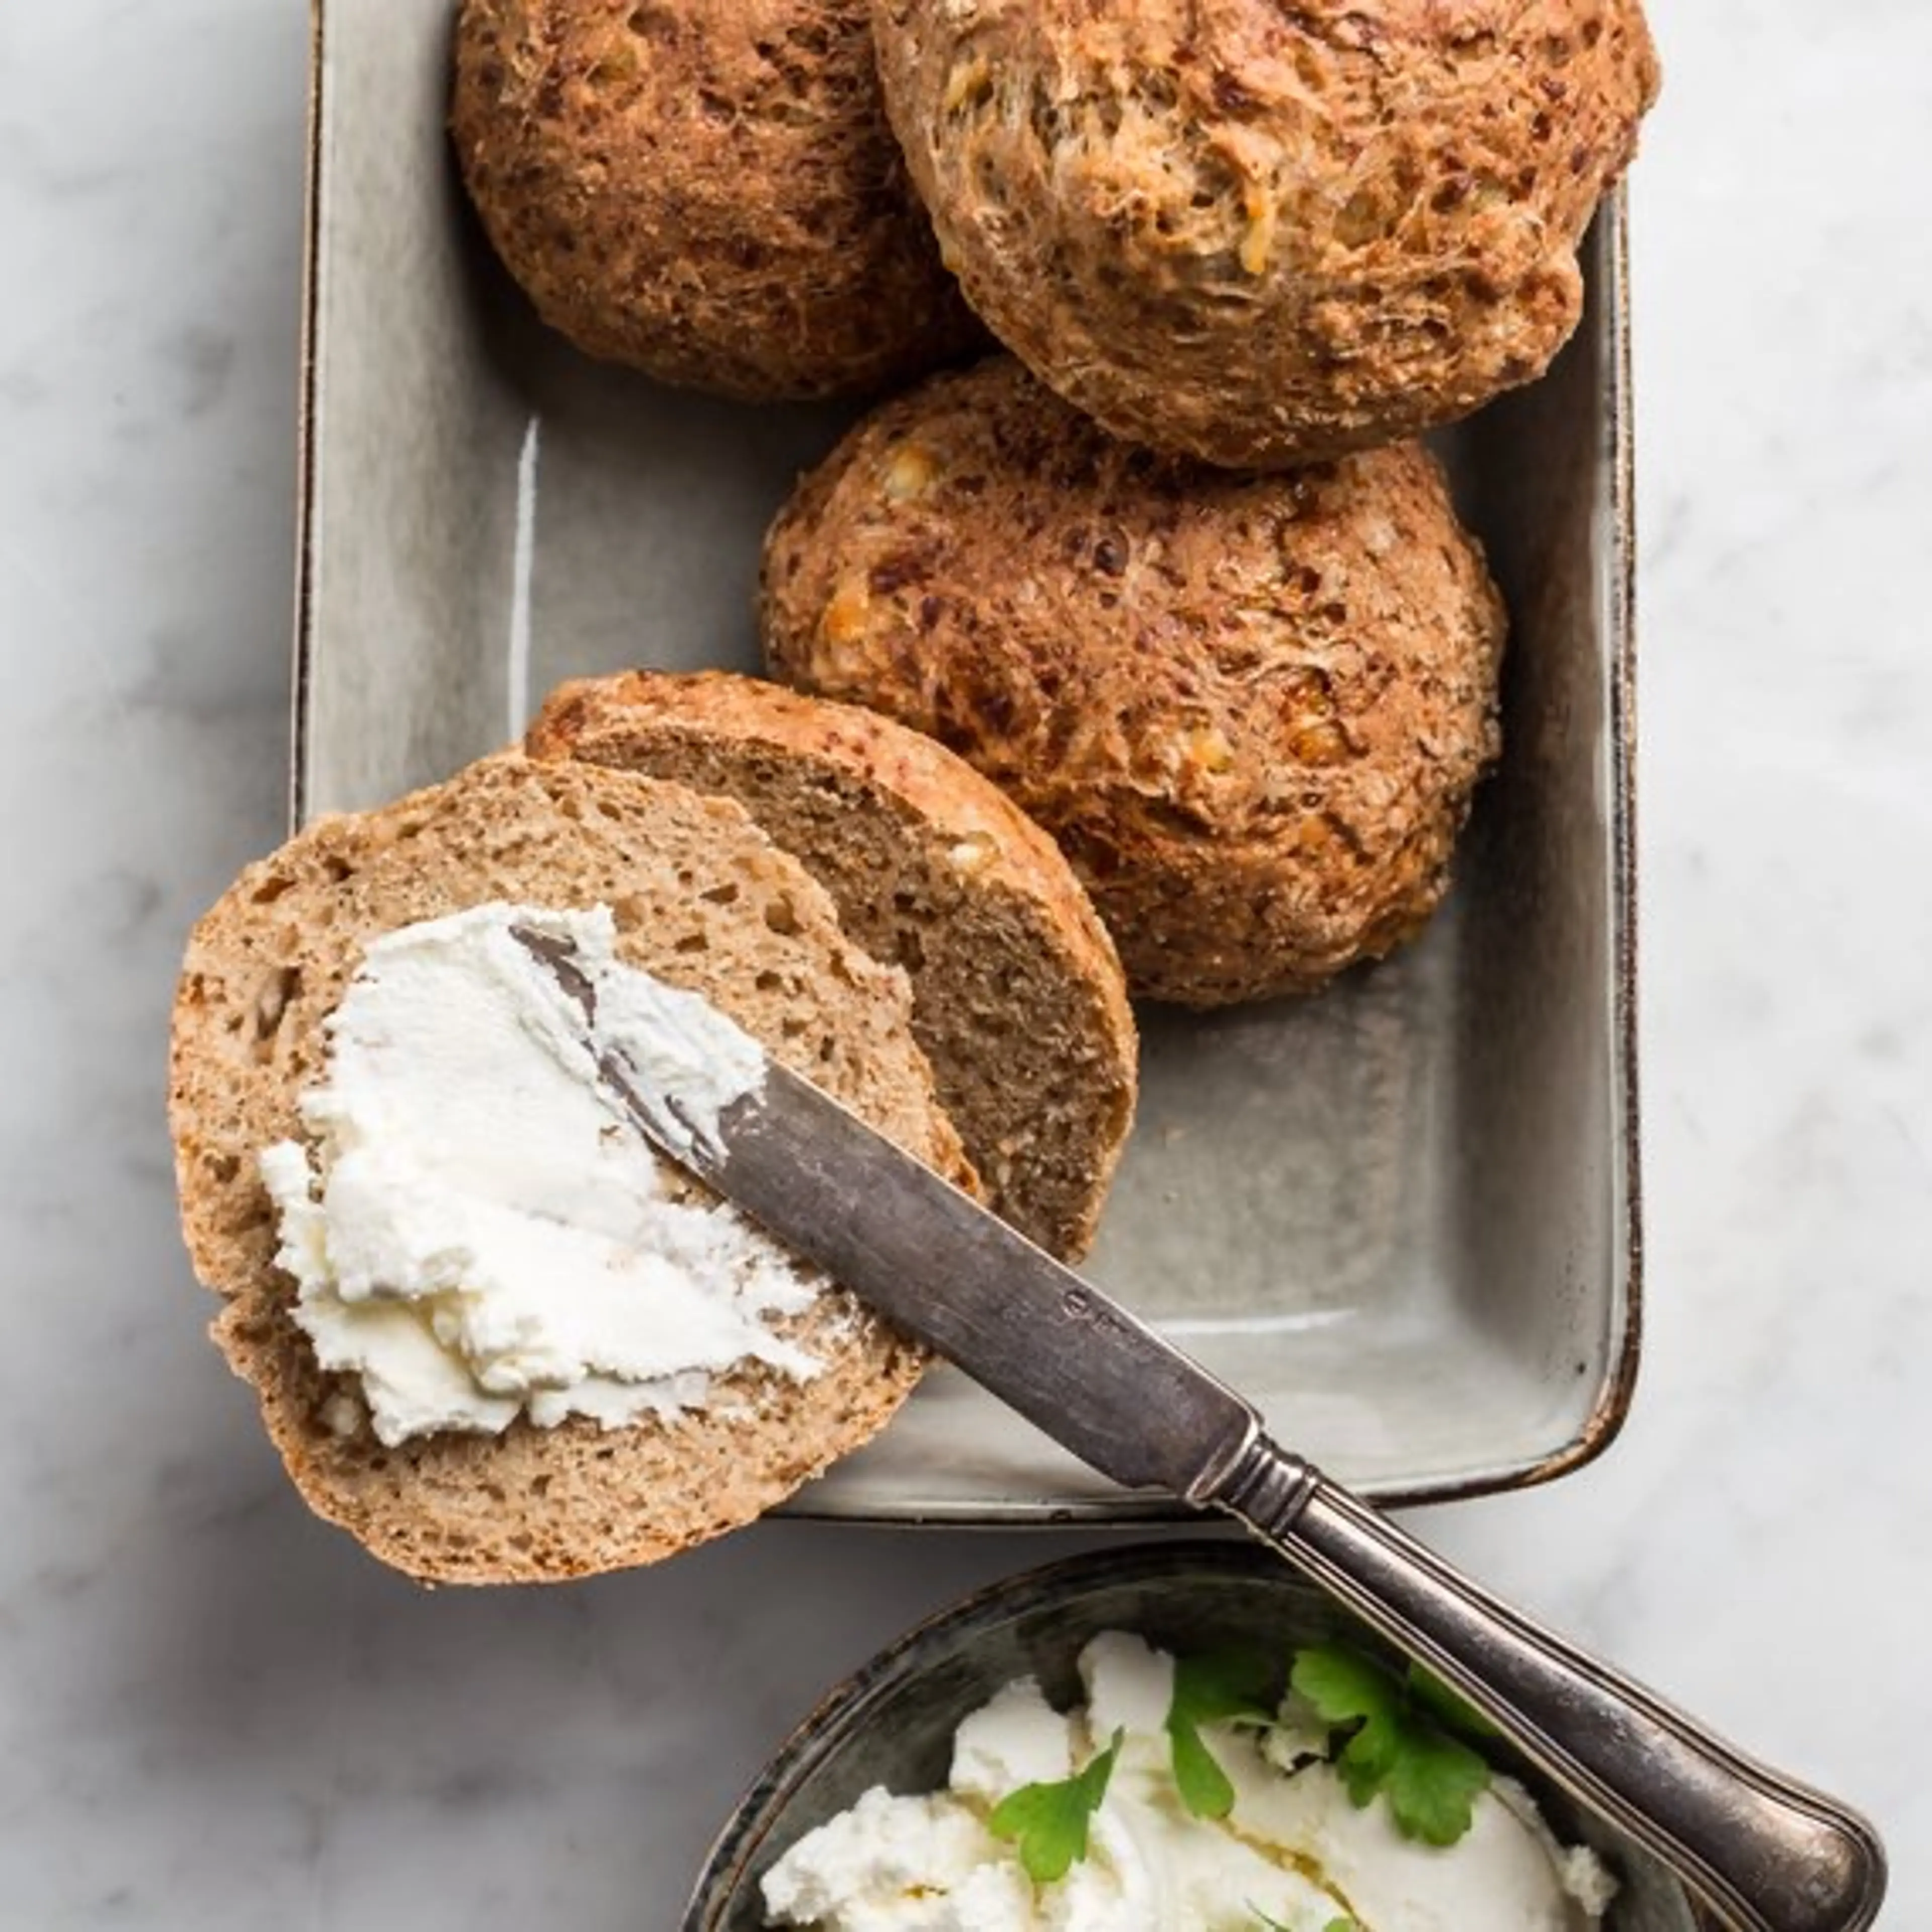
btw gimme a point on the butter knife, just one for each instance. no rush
(1765, 1853)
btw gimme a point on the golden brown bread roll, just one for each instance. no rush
(706, 189)
(1251, 709)
(1261, 234)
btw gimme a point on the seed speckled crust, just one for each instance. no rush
(706, 189)
(1262, 233)
(1252, 709)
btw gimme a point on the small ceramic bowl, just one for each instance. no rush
(892, 1723)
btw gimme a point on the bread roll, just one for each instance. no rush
(1252, 710)
(1260, 234)
(706, 189)
(1017, 995)
(702, 898)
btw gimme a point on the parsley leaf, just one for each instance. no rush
(1049, 1821)
(1433, 1785)
(1394, 1742)
(1341, 1685)
(1208, 1689)
(1268, 1925)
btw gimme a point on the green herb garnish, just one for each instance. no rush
(1049, 1821)
(1395, 1744)
(1209, 1689)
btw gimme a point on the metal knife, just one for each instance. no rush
(1767, 1854)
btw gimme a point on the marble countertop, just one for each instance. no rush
(217, 1714)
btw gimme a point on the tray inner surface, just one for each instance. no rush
(1396, 1215)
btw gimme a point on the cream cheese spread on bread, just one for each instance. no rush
(476, 1231)
(1294, 1851)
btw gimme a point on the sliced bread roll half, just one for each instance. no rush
(700, 898)
(1019, 998)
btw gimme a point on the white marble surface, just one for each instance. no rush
(217, 1715)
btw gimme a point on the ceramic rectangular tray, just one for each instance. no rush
(1403, 1216)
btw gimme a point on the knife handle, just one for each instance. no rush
(1767, 1853)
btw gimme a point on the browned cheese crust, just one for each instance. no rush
(1017, 995)
(1262, 234)
(707, 190)
(1251, 709)
(700, 898)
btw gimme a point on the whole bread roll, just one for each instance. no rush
(707, 190)
(1262, 234)
(1252, 709)
(703, 899)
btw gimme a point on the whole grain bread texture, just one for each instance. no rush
(706, 189)
(701, 898)
(1017, 995)
(1251, 709)
(1260, 234)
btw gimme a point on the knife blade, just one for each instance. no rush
(926, 1255)
(930, 1258)
(1767, 1853)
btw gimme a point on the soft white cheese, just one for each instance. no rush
(1018, 1738)
(1162, 1866)
(1295, 1850)
(1506, 1874)
(475, 1229)
(901, 1864)
(1130, 1686)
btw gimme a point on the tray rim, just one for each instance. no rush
(1606, 1420)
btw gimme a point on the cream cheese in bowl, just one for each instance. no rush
(1294, 1849)
(892, 1807)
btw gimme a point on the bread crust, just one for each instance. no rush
(1262, 234)
(1018, 996)
(1252, 710)
(706, 189)
(701, 897)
